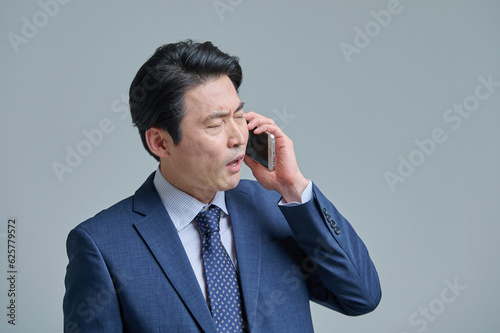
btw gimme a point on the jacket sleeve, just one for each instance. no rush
(90, 302)
(339, 270)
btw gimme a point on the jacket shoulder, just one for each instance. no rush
(110, 217)
(123, 213)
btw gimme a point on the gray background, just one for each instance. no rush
(351, 118)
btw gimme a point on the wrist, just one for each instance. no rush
(293, 192)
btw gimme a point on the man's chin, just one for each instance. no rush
(232, 182)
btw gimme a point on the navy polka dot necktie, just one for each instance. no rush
(220, 274)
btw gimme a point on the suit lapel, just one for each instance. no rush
(247, 243)
(159, 233)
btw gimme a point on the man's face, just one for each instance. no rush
(214, 136)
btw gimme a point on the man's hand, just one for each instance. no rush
(286, 179)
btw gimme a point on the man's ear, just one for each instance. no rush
(159, 141)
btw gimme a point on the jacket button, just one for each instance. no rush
(336, 229)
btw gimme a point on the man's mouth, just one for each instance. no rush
(236, 160)
(235, 165)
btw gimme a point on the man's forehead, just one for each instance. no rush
(213, 110)
(218, 112)
(210, 108)
(215, 95)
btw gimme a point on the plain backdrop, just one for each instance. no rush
(387, 102)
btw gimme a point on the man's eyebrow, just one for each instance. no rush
(240, 107)
(222, 114)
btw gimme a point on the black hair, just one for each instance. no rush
(157, 92)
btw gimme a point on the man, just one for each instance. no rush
(151, 263)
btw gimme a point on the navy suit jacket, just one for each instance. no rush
(128, 271)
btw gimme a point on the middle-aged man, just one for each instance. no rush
(197, 250)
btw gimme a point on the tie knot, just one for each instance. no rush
(208, 220)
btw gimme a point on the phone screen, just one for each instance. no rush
(260, 147)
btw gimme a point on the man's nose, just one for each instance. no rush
(238, 135)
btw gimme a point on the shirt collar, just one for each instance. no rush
(181, 207)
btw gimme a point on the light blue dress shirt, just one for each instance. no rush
(183, 208)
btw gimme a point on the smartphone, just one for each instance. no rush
(260, 147)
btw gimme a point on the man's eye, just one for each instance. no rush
(215, 125)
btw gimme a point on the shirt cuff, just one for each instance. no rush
(305, 197)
